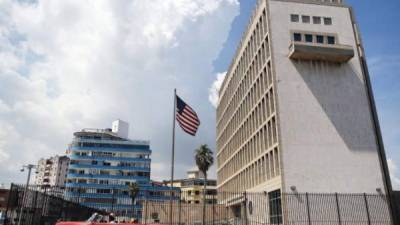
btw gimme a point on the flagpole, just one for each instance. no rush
(172, 158)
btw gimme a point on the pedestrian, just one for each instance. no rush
(111, 218)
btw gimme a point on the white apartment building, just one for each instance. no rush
(52, 171)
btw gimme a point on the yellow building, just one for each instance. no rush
(192, 188)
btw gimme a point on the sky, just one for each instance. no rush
(68, 65)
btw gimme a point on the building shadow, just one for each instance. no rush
(342, 95)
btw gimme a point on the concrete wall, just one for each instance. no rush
(328, 142)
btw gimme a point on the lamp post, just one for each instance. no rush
(29, 167)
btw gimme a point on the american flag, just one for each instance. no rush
(186, 117)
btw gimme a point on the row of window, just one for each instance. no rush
(245, 95)
(210, 201)
(260, 143)
(112, 154)
(109, 145)
(108, 172)
(265, 137)
(208, 192)
(255, 110)
(250, 106)
(314, 38)
(198, 182)
(308, 19)
(113, 191)
(244, 60)
(107, 163)
(257, 134)
(99, 137)
(265, 168)
(98, 181)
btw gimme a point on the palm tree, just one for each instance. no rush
(133, 192)
(204, 160)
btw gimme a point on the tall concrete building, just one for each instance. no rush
(52, 172)
(296, 111)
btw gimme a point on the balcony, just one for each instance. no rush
(108, 158)
(109, 149)
(129, 168)
(324, 52)
(107, 176)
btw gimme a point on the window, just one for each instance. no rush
(309, 38)
(297, 37)
(320, 39)
(275, 212)
(294, 18)
(316, 20)
(328, 21)
(305, 19)
(331, 40)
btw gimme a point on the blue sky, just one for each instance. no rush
(68, 65)
(380, 33)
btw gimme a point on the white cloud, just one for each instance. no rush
(66, 65)
(394, 174)
(213, 95)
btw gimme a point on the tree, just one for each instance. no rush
(133, 192)
(204, 160)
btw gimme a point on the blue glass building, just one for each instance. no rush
(103, 163)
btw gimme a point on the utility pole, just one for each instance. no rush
(29, 167)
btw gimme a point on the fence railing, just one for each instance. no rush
(396, 196)
(47, 205)
(43, 206)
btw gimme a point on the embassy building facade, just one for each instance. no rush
(296, 112)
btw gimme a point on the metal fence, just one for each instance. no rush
(273, 208)
(396, 196)
(43, 206)
(46, 206)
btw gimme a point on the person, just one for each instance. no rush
(112, 218)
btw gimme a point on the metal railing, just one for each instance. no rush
(396, 196)
(43, 206)
(47, 205)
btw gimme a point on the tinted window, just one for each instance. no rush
(305, 19)
(294, 18)
(320, 39)
(297, 37)
(331, 40)
(328, 21)
(309, 38)
(275, 212)
(316, 20)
